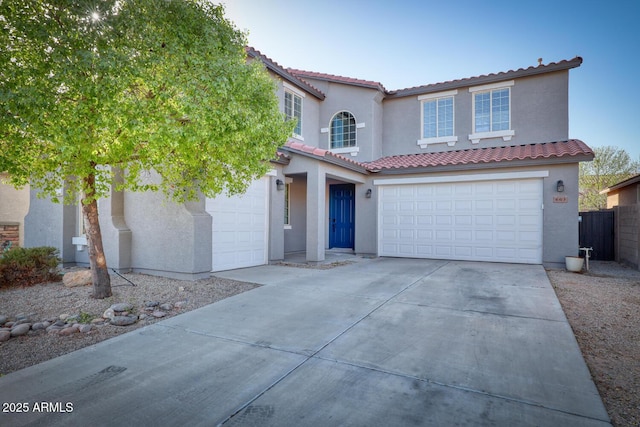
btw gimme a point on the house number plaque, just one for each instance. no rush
(560, 199)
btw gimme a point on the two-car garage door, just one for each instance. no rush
(498, 220)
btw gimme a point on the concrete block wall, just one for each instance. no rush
(627, 234)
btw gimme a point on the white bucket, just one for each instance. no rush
(574, 263)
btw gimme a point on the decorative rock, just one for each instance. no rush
(20, 329)
(60, 323)
(68, 331)
(158, 313)
(97, 322)
(54, 327)
(85, 328)
(38, 326)
(142, 316)
(74, 279)
(108, 314)
(123, 306)
(3, 320)
(9, 324)
(46, 324)
(180, 304)
(166, 307)
(64, 316)
(55, 331)
(151, 304)
(124, 320)
(4, 336)
(21, 321)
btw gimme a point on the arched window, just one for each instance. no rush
(343, 130)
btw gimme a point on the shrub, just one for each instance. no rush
(29, 266)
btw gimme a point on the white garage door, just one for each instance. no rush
(498, 221)
(240, 228)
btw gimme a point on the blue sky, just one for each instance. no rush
(410, 43)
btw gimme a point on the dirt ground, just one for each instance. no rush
(603, 308)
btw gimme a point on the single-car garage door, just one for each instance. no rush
(499, 221)
(240, 228)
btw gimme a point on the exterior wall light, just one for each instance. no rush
(368, 194)
(560, 186)
(279, 184)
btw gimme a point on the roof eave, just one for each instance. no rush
(329, 159)
(486, 165)
(625, 183)
(276, 69)
(486, 79)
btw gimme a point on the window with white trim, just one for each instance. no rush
(293, 110)
(437, 118)
(343, 130)
(492, 111)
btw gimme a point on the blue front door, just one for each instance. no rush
(342, 209)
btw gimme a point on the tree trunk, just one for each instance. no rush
(97, 260)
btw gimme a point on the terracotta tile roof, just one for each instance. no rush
(294, 146)
(570, 148)
(338, 79)
(279, 70)
(488, 78)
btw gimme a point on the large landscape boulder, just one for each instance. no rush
(73, 279)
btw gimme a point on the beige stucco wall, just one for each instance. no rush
(14, 205)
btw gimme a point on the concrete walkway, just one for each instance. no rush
(376, 342)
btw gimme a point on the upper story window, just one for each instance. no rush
(293, 108)
(343, 130)
(492, 111)
(437, 118)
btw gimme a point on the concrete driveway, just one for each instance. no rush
(377, 342)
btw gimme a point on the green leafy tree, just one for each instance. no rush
(609, 166)
(90, 88)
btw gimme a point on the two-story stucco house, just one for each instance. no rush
(480, 169)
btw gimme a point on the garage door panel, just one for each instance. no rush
(485, 220)
(484, 236)
(463, 220)
(483, 188)
(239, 226)
(481, 220)
(463, 235)
(504, 205)
(444, 220)
(486, 205)
(506, 220)
(463, 251)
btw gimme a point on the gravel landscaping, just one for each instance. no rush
(150, 300)
(603, 308)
